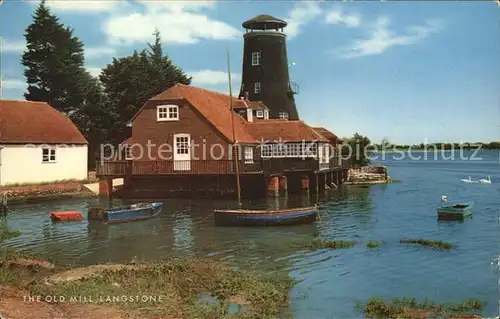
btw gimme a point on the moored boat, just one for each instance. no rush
(245, 217)
(134, 212)
(66, 216)
(457, 211)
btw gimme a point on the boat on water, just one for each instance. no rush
(251, 217)
(66, 216)
(281, 217)
(457, 211)
(134, 212)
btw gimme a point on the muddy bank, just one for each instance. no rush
(187, 288)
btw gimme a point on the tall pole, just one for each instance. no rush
(235, 143)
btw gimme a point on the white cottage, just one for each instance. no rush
(39, 144)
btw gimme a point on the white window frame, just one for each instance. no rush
(283, 115)
(293, 150)
(256, 88)
(128, 153)
(182, 144)
(248, 155)
(256, 58)
(260, 114)
(167, 113)
(50, 157)
(266, 150)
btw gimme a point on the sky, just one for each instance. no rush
(408, 71)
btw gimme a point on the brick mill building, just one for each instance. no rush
(182, 139)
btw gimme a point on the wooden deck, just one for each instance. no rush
(212, 167)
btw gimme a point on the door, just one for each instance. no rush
(182, 152)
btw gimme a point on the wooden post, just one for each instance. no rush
(283, 185)
(273, 186)
(106, 187)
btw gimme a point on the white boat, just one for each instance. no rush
(485, 181)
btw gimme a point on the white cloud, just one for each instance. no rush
(337, 16)
(90, 6)
(302, 13)
(178, 22)
(9, 46)
(95, 72)
(99, 52)
(14, 84)
(212, 77)
(381, 38)
(176, 6)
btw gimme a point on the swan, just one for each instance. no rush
(485, 181)
(467, 180)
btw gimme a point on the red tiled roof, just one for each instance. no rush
(326, 133)
(284, 131)
(214, 106)
(36, 122)
(255, 105)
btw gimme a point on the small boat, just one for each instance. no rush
(457, 211)
(66, 216)
(485, 181)
(245, 217)
(134, 212)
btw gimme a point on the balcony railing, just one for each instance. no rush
(213, 167)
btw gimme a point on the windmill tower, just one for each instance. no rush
(265, 67)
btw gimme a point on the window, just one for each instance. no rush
(283, 115)
(48, 155)
(266, 150)
(293, 150)
(167, 112)
(248, 155)
(128, 153)
(256, 88)
(266, 114)
(279, 150)
(182, 144)
(255, 58)
(249, 115)
(260, 114)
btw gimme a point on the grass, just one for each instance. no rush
(173, 288)
(434, 244)
(374, 244)
(412, 309)
(333, 244)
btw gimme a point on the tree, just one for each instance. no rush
(358, 150)
(54, 63)
(130, 81)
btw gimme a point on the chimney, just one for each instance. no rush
(246, 95)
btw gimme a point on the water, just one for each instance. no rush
(331, 281)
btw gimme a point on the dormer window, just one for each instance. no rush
(167, 113)
(255, 58)
(256, 88)
(283, 115)
(260, 114)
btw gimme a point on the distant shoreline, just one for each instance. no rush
(419, 150)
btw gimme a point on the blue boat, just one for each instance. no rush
(134, 212)
(457, 211)
(244, 217)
